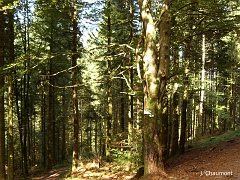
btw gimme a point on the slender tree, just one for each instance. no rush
(10, 97)
(50, 121)
(2, 119)
(109, 84)
(202, 92)
(75, 31)
(175, 123)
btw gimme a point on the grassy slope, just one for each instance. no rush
(210, 141)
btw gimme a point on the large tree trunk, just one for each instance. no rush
(164, 58)
(2, 120)
(155, 76)
(152, 148)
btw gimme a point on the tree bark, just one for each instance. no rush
(43, 122)
(74, 93)
(155, 76)
(50, 121)
(109, 90)
(163, 68)
(25, 105)
(184, 118)
(131, 100)
(2, 120)
(64, 107)
(175, 124)
(10, 99)
(152, 150)
(201, 114)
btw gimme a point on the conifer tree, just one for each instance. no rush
(2, 118)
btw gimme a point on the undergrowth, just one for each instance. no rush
(210, 141)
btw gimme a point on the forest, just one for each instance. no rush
(130, 82)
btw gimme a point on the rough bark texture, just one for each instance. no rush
(2, 121)
(164, 58)
(155, 77)
(152, 149)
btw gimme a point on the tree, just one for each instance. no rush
(155, 77)
(75, 87)
(46, 75)
(10, 97)
(2, 119)
(109, 122)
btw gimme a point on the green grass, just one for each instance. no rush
(210, 141)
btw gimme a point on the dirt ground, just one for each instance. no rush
(52, 175)
(221, 161)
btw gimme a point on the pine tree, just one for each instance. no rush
(2, 119)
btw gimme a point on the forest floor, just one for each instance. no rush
(219, 160)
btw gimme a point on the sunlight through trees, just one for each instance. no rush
(131, 82)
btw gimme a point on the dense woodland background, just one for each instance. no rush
(134, 82)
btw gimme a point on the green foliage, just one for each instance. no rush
(120, 156)
(123, 159)
(211, 141)
(43, 35)
(88, 156)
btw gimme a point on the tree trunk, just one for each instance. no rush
(10, 99)
(50, 121)
(10, 128)
(109, 91)
(184, 118)
(2, 120)
(122, 112)
(152, 150)
(130, 104)
(63, 126)
(163, 68)
(155, 100)
(19, 119)
(74, 93)
(232, 101)
(175, 124)
(201, 114)
(24, 109)
(185, 103)
(43, 122)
